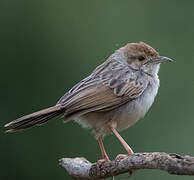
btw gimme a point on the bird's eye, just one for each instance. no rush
(141, 58)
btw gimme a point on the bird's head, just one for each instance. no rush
(141, 56)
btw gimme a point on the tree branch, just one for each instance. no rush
(80, 168)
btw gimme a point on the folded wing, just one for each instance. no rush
(102, 93)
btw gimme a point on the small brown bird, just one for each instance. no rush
(116, 94)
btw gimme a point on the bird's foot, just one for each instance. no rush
(102, 161)
(123, 156)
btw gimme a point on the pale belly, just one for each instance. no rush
(131, 112)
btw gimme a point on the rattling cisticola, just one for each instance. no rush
(112, 98)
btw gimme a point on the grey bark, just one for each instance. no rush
(80, 168)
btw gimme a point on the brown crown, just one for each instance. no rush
(140, 48)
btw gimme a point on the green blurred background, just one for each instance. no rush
(47, 46)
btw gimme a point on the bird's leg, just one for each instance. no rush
(126, 146)
(104, 155)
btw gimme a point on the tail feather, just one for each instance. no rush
(37, 118)
(44, 120)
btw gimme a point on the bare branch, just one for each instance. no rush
(80, 168)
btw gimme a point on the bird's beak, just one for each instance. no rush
(160, 59)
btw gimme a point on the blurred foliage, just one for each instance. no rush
(47, 46)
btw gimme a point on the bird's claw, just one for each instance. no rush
(102, 161)
(123, 156)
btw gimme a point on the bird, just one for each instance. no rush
(112, 98)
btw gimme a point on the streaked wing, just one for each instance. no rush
(103, 91)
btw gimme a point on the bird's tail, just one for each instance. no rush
(36, 118)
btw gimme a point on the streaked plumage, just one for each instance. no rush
(119, 91)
